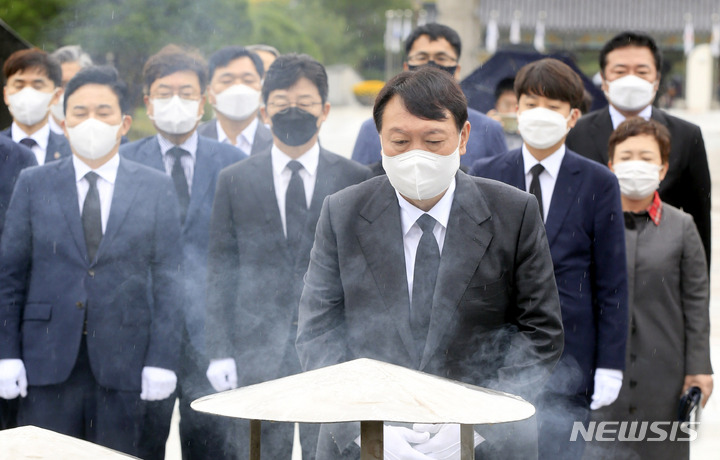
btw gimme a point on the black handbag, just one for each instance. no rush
(689, 402)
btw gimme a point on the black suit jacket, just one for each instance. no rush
(254, 280)
(57, 147)
(262, 142)
(687, 183)
(14, 157)
(495, 317)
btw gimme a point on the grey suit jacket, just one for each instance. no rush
(496, 315)
(262, 142)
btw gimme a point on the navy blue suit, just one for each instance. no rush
(126, 298)
(586, 234)
(57, 147)
(486, 139)
(13, 158)
(211, 157)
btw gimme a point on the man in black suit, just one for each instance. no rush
(88, 287)
(194, 163)
(261, 232)
(13, 158)
(32, 85)
(432, 269)
(234, 92)
(630, 66)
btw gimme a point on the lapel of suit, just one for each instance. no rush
(202, 179)
(563, 196)
(381, 241)
(265, 200)
(514, 171)
(67, 200)
(466, 241)
(52, 152)
(151, 155)
(126, 187)
(603, 129)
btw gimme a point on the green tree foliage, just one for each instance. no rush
(29, 18)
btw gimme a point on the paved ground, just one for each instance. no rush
(338, 135)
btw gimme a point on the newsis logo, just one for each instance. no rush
(635, 431)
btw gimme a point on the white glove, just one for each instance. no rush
(157, 383)
(445, 444)
(222, 374)
(13, 380)
(607, 387)
(397, 440)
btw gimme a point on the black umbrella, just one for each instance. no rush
(479, 86)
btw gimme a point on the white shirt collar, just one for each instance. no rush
(309, 159)
(108, 171)
(618, 117)
(409, 214)
(41, 136)
(190, 144)
(551, 164)
(248, 133)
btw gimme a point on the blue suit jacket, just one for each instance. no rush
(14, 157)
(486, 139)
(211, 157)
(586, 233)
(48, 287)
(58, 147)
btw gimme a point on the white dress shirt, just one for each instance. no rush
(188, 161)
(618, 117)
(245, 139)
(105, 184)
(41, 137)
(412, 232)
(547, 178)
(282, 175)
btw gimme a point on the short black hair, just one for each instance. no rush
(173, 58)
(504, 86)
(624, 39)
(550, 78)
(289, 68)
(224, 56)
(99, 75)
(427, 93)
(435, 31)
(33, 58)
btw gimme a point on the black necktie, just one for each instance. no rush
(427, 262)
(180, 180)
(535, 186)
(91, 218)
(29, 142)
(295, 206)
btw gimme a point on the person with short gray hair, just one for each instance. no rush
(72, 59)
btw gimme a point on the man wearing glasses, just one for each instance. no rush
(438, 46)
(174, 82)
(262, 229)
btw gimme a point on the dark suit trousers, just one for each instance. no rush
(8, 413)
(81, 408)
(202, 436)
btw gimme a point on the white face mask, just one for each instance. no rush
(237, 102)
(630, 93)
(93, 139)
(57, 109)
(637, 179)
(542, 128)
(29, 106)
(420, 175)
(175, 115)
